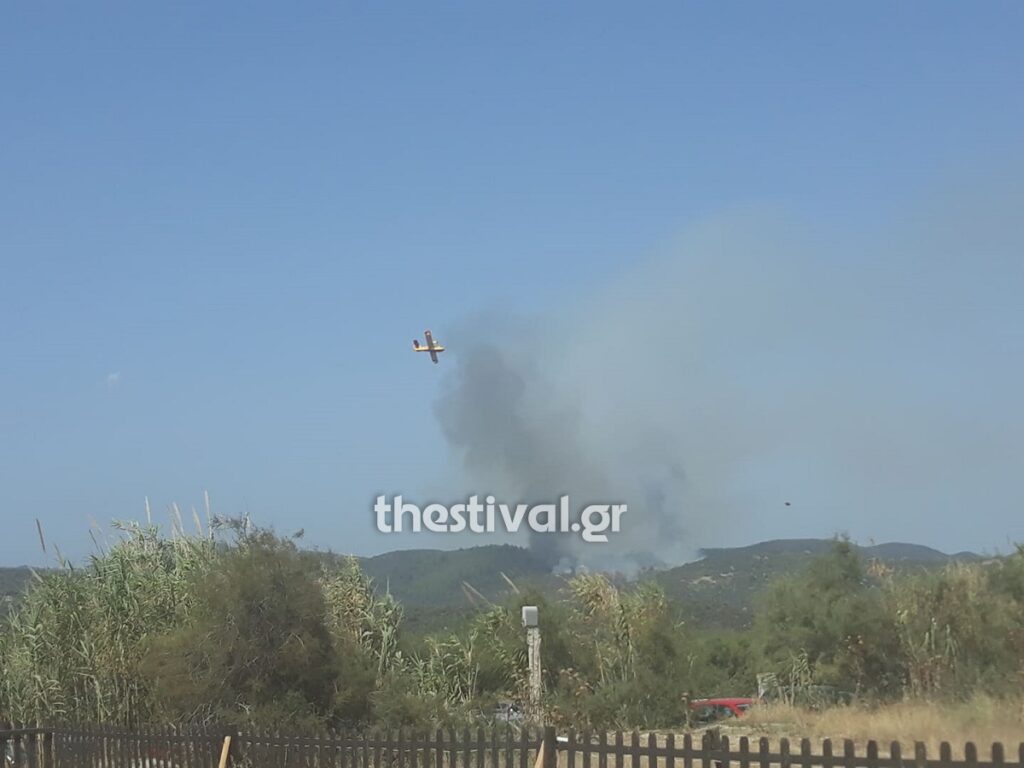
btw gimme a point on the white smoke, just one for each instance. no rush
(754, 362)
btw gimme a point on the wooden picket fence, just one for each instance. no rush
(110, 747)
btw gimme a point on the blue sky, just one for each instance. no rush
(221, 225)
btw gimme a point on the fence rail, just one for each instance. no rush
(166, 747)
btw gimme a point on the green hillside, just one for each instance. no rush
(430, 577)
(720, 589)
(440, 589)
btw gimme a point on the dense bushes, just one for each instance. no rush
(257, 648)
(961, 630)
(834, 619)
(247, 629)
(948, 633)
(74, 646)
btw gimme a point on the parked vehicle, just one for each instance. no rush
(507, 712)
(710, 710)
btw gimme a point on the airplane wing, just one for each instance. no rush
(431, 346)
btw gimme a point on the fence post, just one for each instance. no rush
(225, 751)
(549, 746)
(48, 759)
(231, 749)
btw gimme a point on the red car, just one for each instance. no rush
(707, 710)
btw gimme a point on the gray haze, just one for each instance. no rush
(873, 380)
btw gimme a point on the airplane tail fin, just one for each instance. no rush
(415, 343)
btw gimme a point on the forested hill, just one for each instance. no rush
(720, 589)
(439, 588)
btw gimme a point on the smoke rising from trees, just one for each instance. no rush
(870, 380)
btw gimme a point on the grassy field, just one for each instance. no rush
(981, 720)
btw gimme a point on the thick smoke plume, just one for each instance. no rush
(756, 363)
(523, 437)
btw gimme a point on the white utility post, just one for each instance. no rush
(532, 624)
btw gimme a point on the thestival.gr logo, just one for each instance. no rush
(593, 523)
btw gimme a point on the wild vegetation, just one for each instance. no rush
(238, 625)
(981, 719)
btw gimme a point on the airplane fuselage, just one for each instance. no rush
(431, 346)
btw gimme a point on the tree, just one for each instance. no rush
(832, 621)
(257, 648)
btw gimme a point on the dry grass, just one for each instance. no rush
(982, 720)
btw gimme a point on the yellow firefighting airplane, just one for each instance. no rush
(431, 346)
